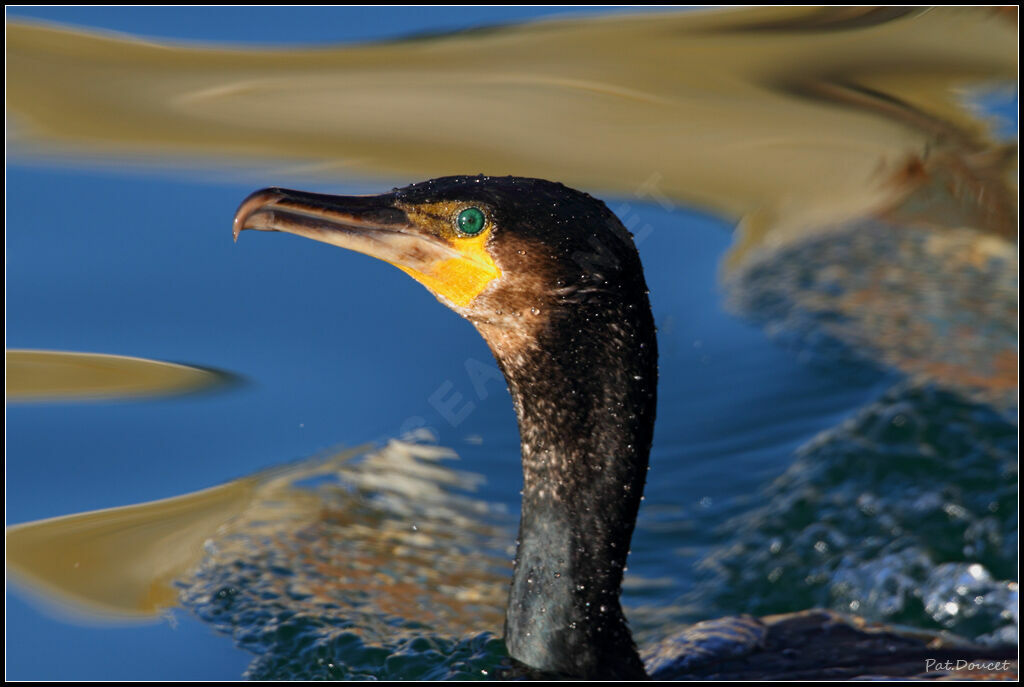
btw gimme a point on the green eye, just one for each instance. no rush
(471, 221)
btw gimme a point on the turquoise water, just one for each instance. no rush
(783, 476)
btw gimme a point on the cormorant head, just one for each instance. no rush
(504, 252)
(553, 282)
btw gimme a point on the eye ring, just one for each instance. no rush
(471, 221)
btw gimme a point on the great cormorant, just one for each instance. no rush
(553, 282)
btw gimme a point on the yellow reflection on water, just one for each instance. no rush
(34, 375)
(122, 562)
(800, 116)
(392, 535)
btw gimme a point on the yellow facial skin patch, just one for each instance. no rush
(460, 279)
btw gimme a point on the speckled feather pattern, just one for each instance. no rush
(570, 325)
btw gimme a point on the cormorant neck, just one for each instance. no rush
(584, 383)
